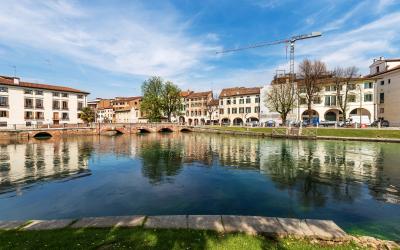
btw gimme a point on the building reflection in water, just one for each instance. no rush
(29, 162)
(310, 171)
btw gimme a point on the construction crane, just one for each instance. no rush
(290, 42)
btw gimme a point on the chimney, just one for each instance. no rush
(16, 80)
(381, 58)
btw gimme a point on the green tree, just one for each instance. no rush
(152, 94)
(160, 99)
(170, 99)
(87, 115)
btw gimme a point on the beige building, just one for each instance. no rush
(386, 74)
(127, 110)
(196, 108)
(239, 105)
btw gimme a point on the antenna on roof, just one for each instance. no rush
(15, 70)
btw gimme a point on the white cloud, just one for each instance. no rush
(135, 44)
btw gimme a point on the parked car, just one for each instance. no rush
(384, 123)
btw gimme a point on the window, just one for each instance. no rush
(222, 102)
(28, 103)
(368, 85)
(64, 95)
(3, 124)
(368, 98)
(221, 111)
(351, 86)
(28, 91)
(65, 116)
(229, 111)
(382, 82)
(330, 100)
(3, 101)
(234, 101)
(39, 104)
(3, 113)
(56, 94)
(234, 110)
(228, 102)
(39, 115)
(351, 98)
(3, 89)
(303, 101)
(248, 99)
(80, 105)
(65, 105)
(80, 96)
(382, 98)
(241, 110)
(56, 105)
(256, 109)
(248, 110)
(28, 115)
(257, 99)
(381, 110)
(388, 81)
(316, 100)
(241, 101)
(327, 88)
(38, 92)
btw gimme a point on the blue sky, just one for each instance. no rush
(109, 47)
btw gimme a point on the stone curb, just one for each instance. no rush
(272, 226)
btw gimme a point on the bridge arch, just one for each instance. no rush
(42, 135)
(185, 130)
(143, 130)
(165, 130)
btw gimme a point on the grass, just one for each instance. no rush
(340, 132)
(140, 238)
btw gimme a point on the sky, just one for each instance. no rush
(109, 48)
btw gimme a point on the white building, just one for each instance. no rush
(325, 107)
(105, 115)
(386, 73)
(27, 104)
(129, 115)
(239, 105)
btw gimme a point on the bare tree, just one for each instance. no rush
(212, 106)
(311, 73)
(343, 79)
(280, 98)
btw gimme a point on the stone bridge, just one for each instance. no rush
(94, 129)
(133, 128)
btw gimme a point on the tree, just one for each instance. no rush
(311, 73)
(343, 78)
(87, 115)
(170, 99)
(212, 106)
(280, 98)
(152, 98)
(160, 99)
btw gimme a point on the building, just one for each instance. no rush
(325, 106)
(196, 108)
(239, 105)
(30, 104)
(103, 110)
(127, 110)
(386, 75)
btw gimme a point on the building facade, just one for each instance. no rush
(32, 104)
(239, 105)
(196, 107)
(386, 75)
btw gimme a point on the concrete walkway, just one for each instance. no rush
(280, 227)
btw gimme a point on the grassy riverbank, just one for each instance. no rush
(340, 132)
(140, 238)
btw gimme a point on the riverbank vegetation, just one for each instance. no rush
(339, 132)
(140, 238)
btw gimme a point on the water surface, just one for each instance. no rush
(356, 184)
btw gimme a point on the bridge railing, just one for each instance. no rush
(11, 127)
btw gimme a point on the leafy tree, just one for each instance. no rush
(87, 115)
(160, 99)
(152, 98)
(170, 99)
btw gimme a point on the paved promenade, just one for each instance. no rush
(280, 227)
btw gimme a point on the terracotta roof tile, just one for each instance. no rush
(7, 80)
(239, 91)
(199, 94)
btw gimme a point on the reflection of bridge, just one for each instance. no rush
(94, 129)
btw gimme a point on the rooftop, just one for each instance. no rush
(15, 81)
(239, 91)
(199, 94)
